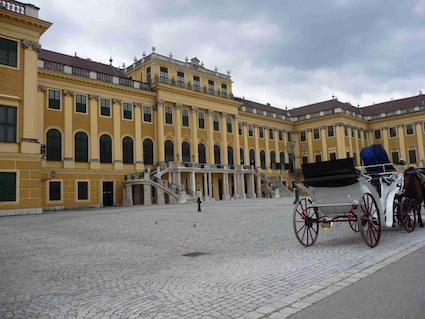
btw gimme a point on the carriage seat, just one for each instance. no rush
(335, 173)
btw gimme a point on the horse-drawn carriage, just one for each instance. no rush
(365, 197)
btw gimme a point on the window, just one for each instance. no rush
(289, 136)
(223, 90)
(169, 151)
(148, 74)
(305, 160)
(8, 121)
(216, 123)
(168, 115)
(409, 129)
(393, 132)
(355, 158)
(271, 134)
(8, 52)
(180, 79)
(240, 129)
(81, 144)
(331, 132)
(261, 132)
(54, 145)
(202, 158)
(352, 132)
(364, 135)
(196, 83)
(332, 156)
(230, 159)
(185, 117)
(83, 190)
(252, 157)
(105, 149)
(147, 114)
(316, 134)
(105, 107)
(148, 152)
(217, 157)
(250, 130)
(80, 103)
(127, 150)
(201, 120)
(54, 99)
(229, 125)
(377, 134)
(273, 160)
(345, 130)
(282, 159)
(280, 135)
(7, 186)
(163, 77)
(318, 158)
(242, 155)
(412, 157)
(263, 159)
(395, 158)
(127, 110)
(54, 191)
(211, 89)
(302, 136)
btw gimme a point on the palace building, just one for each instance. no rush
(78, 133)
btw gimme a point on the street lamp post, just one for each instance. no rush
(290, 148)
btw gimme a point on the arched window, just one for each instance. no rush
(252, 157)
(242, 154)
(81, 147)
(230, 156)
(273, 160)
(282, 158)
(54, 145)
(263, 159)
(148, 152)
(202, 157)
(127, 150)
(169, 151)
(105, 149)
(217, 159)
(185, 152)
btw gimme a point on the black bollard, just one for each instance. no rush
(297, 195)
(199, 204)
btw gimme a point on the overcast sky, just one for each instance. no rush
(287, 53)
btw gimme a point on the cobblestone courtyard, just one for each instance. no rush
(243, 261)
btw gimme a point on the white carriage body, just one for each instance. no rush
(334, 201)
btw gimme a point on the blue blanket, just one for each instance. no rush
(373, 155)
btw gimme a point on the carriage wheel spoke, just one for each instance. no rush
(305, 222)
(370, 221)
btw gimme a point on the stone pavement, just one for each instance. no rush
(242, 261)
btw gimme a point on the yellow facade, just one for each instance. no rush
(205, 142)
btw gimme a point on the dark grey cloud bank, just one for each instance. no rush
(287, 53)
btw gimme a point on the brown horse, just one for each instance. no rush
(414, 190)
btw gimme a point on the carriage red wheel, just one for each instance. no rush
(369, 220)
(408, 216)
(306, 222)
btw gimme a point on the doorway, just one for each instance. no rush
(108, 193)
